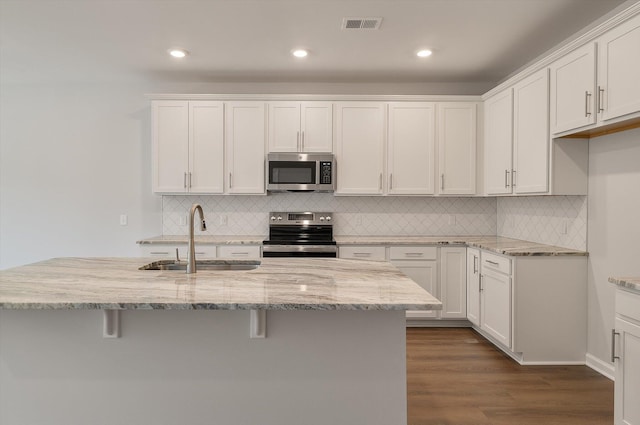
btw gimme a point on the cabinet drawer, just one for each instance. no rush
(169, 251)
(628, 304)
(496, 263)
(375, 253)
(239, 251)
(413, 253)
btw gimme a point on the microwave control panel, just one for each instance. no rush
(325, 172)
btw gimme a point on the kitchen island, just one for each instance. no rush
(331, 350)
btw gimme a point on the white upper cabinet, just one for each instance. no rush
(531, 134)
(498, 143)
(188, 146)
(573, 89)
(360, 131)
(411, 148)
(245, 145)
(619, 71)
(457, 148)
(300, 127)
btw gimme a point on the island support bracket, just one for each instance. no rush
(111, 323)
(257, 324)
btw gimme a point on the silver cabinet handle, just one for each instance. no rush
(513, 178)
(185, 179)
(230, 181)
(613, 345)
(600, 99)
(413, 254)
(189, 180)
(362, 254)
(240, 253)
(298, 141)
(480, 280)
(492, 262)
(390, 181)
(506, 178)
(380, 184)
(587, 96)
(302, 141)
(441, 181)
(475, 264)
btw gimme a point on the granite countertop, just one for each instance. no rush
(632, 283)
(277, 284)
(498, 244)
(206, 239)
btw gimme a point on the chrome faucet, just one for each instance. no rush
(191, 259)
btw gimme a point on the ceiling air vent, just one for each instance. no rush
(361, 23)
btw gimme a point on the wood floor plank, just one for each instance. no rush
(456, 377)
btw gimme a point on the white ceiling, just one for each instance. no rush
(251, 40)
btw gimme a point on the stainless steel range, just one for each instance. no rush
(300, 234)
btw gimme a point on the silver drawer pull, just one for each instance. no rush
(362, 254)
(239, 253)
(613, 345)
(159, 253)
(414, 254)
(492, 262)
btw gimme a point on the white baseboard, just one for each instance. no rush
(603, 367)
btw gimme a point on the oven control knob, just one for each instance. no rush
(279, 218)
(321, 218)
(328, 218)
(273, 218)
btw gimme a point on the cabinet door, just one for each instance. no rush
(627, 382)
(239, 251)
(284, 127)
(360, 148)
(495, 306)
(453, 282)
(618, 70)
(245, 127)
(316, 126)
(206, 147)
(411, 148)
(572, 90)
(170, 136)
(531, 134)
(424, 273)
(473, 286)
(457, 148)
(498, 143)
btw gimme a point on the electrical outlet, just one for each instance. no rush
(223, 220)
(123, 219)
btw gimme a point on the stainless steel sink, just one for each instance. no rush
(203, 265)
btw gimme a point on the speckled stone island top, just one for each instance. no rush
(277, 284)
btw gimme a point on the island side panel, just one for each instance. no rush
(200, 367)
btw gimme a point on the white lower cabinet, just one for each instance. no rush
(495, 300)
(168, 251)
(239, 251)
(420, 263)
(473, 286)
(534, 308)
(626, 355)
(453, 282)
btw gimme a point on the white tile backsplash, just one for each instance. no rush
(540, 219)
(376, 216)
(552, 220)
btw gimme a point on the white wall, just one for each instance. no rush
(72, 159)
(613, 228)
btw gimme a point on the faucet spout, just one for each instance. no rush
(191, 259)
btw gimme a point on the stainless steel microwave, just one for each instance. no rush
(300, 172)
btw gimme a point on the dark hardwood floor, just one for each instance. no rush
(456, 377)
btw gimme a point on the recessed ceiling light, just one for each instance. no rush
(424, 53)
(178, 53)
(299, 53)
